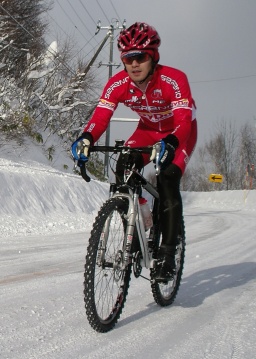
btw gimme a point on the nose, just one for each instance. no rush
(135, 63)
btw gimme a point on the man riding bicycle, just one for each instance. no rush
(161, 96)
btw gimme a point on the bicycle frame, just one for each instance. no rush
(134, 215)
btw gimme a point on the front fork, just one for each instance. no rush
(133, 217)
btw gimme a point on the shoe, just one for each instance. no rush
(165, 266)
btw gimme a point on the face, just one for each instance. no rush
(138, 66)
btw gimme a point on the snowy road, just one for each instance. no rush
(214, 315)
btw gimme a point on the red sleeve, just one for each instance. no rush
(110, 98)
(99, 122)
(182, 108)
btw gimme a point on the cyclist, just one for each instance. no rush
(161, 96)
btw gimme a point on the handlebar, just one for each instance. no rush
(119, 147)
(123, 149)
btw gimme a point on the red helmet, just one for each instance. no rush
(141, 37)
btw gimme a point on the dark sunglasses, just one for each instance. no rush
(138, 58)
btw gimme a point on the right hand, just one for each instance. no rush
(80, 148)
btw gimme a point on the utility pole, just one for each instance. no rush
(111, 28)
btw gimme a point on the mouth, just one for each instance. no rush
(136, 72)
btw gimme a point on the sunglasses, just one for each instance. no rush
(138, 58)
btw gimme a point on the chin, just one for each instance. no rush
(137, 79)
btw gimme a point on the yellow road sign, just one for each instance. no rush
(215, 177)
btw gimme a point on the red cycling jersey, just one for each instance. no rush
(166, 106)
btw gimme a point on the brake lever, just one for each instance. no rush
(84, 174)
(156, 156)
(82, 171)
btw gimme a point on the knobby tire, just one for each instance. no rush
(106, 281)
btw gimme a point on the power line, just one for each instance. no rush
(223, 79)
(72, 21)
(87, 11)
(103, 11)
(115, 10)
(76, 54)
(92, 35)
(73, 8)
(81, 49)
(53, 20)
(89, 41)
(76, 27)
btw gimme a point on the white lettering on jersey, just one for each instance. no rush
(114, 85)
(174, 85)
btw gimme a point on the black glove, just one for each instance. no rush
(167, 153)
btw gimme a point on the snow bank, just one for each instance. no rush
(38, 199)
(242, 199)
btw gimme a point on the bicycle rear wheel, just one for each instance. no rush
(165, 293)
(106, 280)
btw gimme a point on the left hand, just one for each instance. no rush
(167, 152)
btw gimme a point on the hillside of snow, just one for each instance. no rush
(37, 198)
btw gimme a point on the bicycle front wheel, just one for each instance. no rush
(106, 278)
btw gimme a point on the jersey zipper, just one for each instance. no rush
(144, 97)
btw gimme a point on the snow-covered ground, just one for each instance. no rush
(45, 219)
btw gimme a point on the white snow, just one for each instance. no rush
(45, 219)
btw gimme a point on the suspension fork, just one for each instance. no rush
(134, 218)
(130, 217)
(105, 232)
(139, 222)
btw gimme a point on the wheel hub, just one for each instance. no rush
(118, 266)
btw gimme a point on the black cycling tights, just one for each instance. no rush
(170, 203)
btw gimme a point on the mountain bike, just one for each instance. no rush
(120, 245)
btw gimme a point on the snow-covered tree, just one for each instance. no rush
(22, 32)
(54, 100)
(41, 93)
